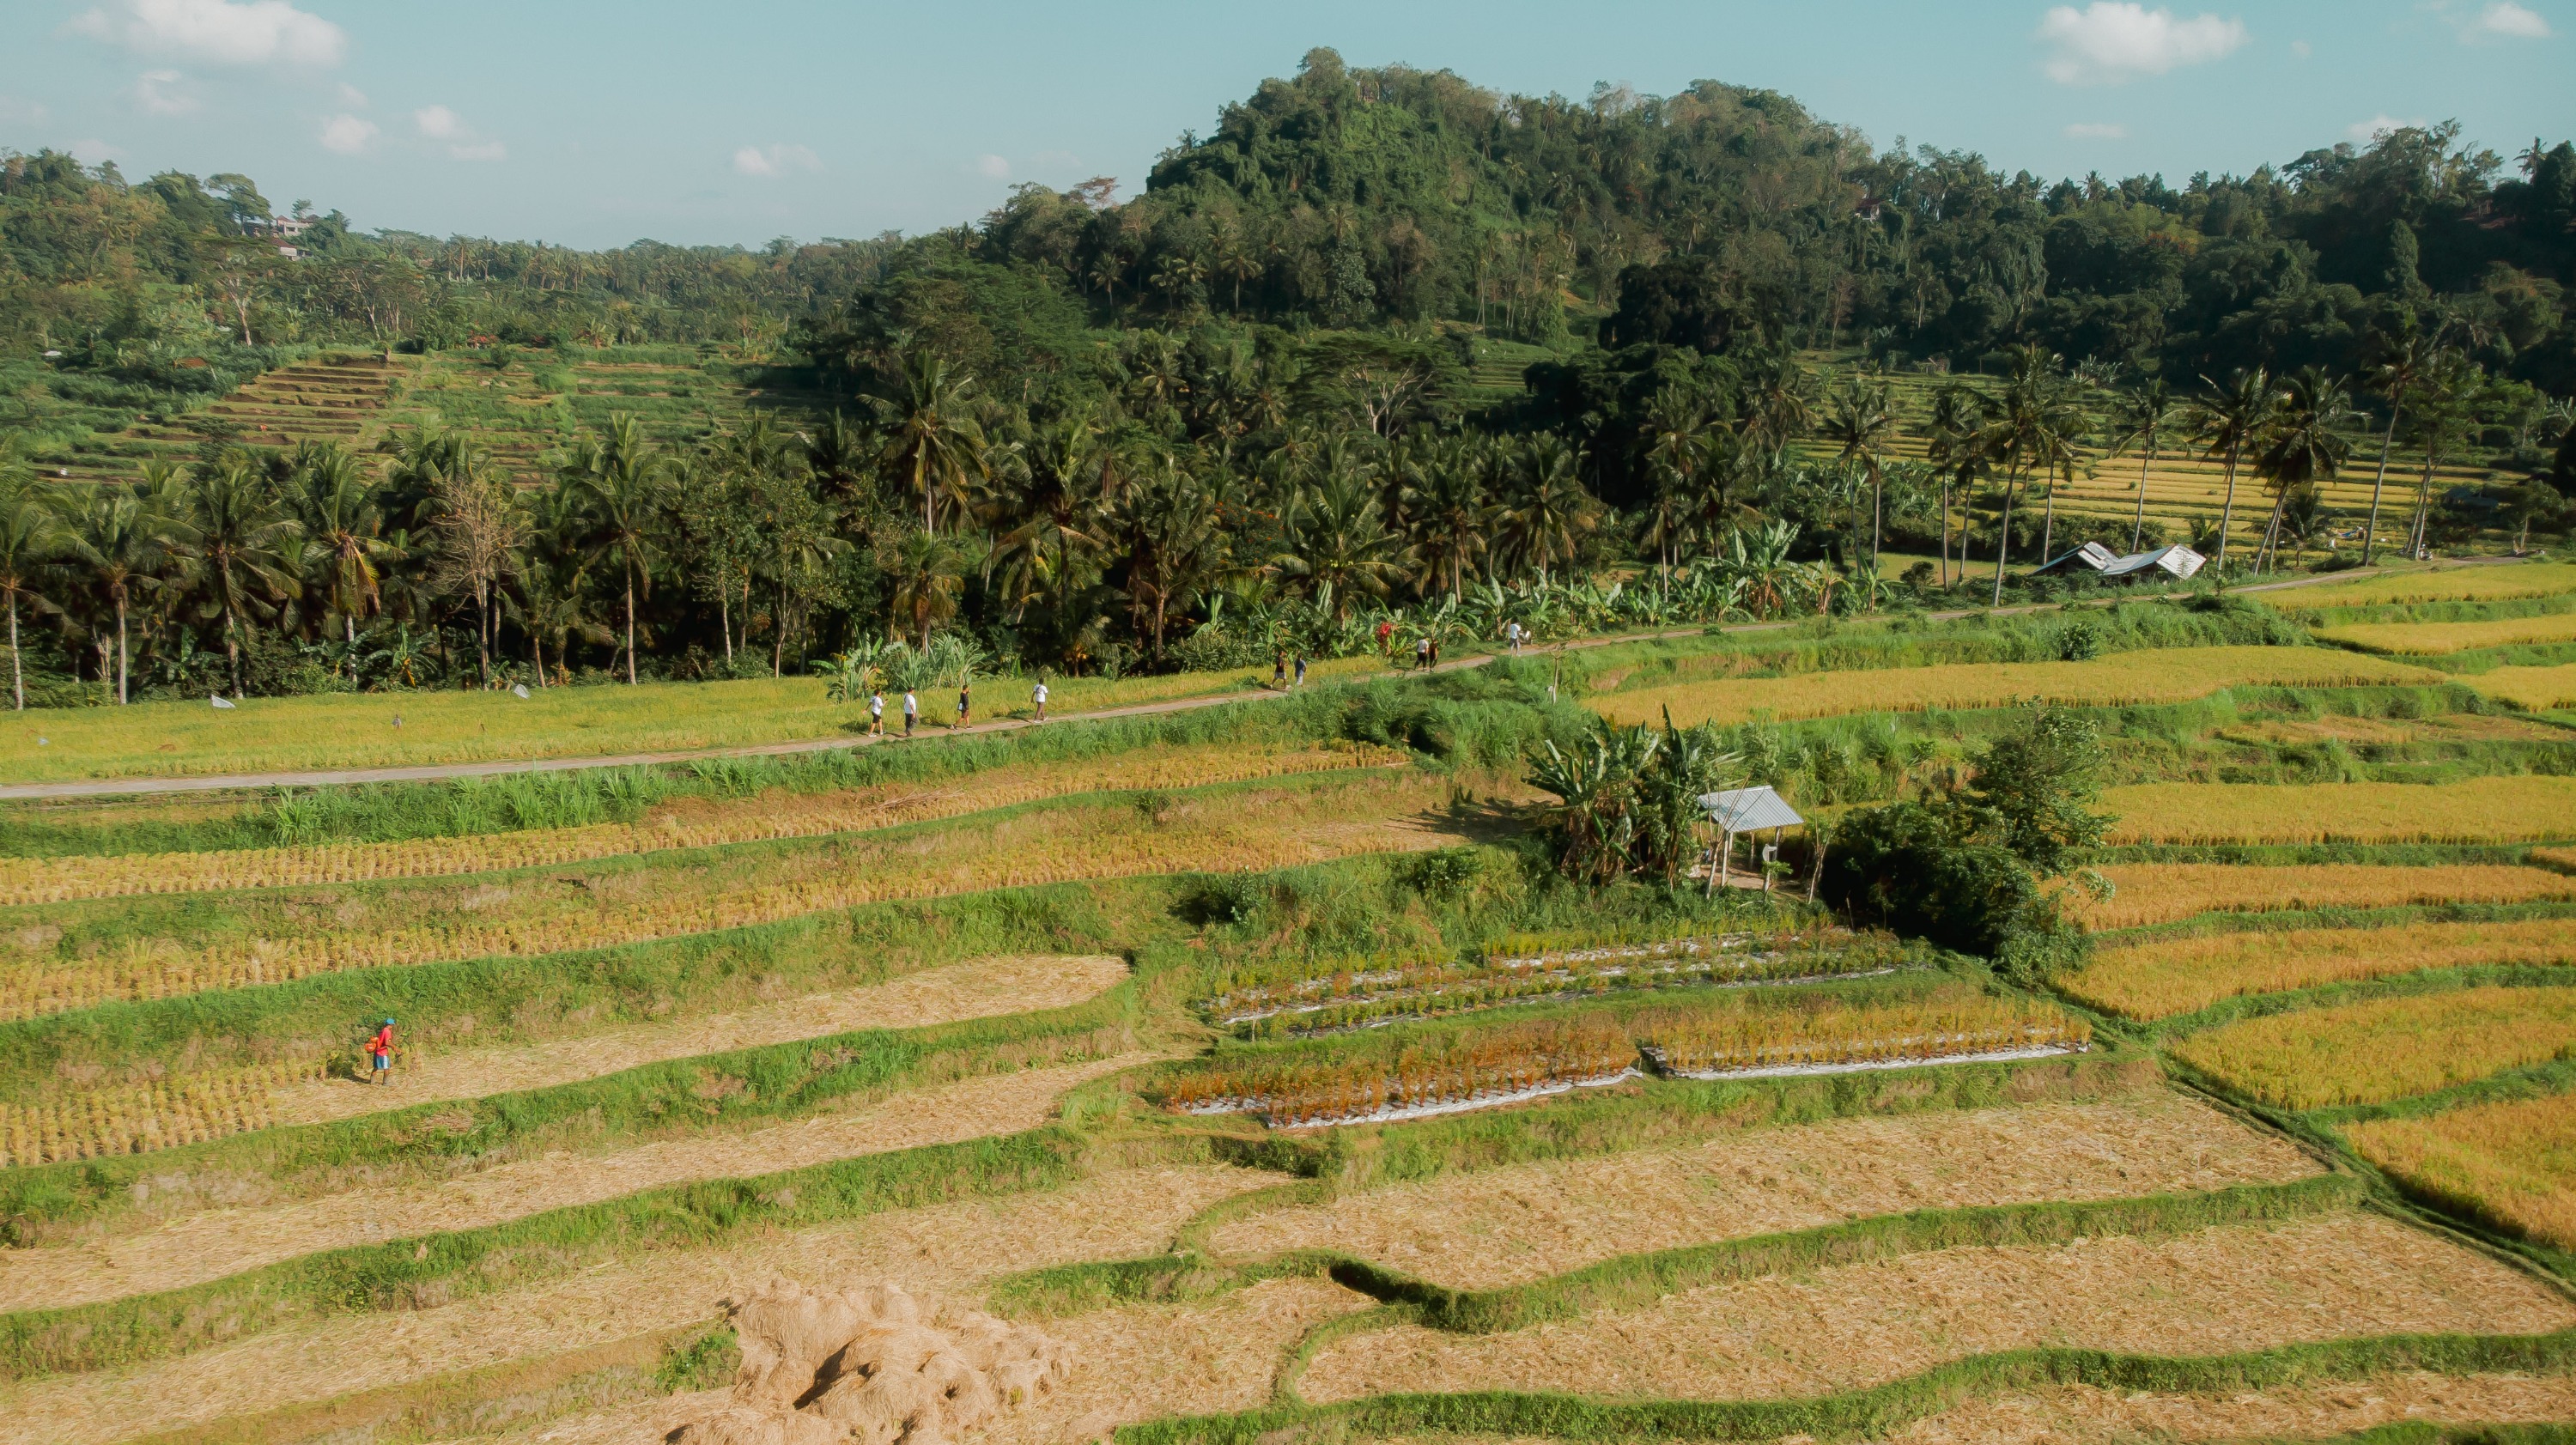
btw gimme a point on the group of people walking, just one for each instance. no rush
(965, 708)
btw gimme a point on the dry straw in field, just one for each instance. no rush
(695, 824)
(132, 1118)
(2513, 1162)
(1751, 1038)
(2477, 810)
(2428, 639)
(1234, 832)
(2537, 689)
(2370, 1053)
(2166, 675)
(2145, 893)
(2160, 977)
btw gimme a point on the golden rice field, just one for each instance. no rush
(2513, 1162)
(2165, 675)
(2481, 583)
(1235, 831)
(2161, 977)
(2370, 1053)
(2430, 639)
(692, 823)
(2149, 893)
(2534, 689)
(2475, 810)
(133, 1118)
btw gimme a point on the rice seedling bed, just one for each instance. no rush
(1490, 1228)
(2511, 1163)
(2384, 1049)
(2162, 675)
(1839, 1328)
(2534, 689)
(697, 823)
(2433, 639)
(2151, 893)
(2504, 809)
(265, 939)
(1441, 1074)
(1375, 992)
(1709, 1044)
(2153, 978)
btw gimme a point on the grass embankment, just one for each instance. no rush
(2384, 1049)
(2534, 689)
(2511, 1163)
(2434, 639)
(2154, 978)
(2151, 893)
(2160, 676)
(2502, 809)
(77, 956)
(697, 823)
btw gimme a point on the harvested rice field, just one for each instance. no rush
(2169, 675)
(2155, 978)
(1513, 1225)
(2083, 1413)
(2151, 893)
(2432, 639)
(2477, 810)
(1841, 1328)
(2534, 689)
(2512, 1162)
(2370, 1053)
(2441, 584)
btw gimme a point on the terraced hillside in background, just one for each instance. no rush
(1255, 1058)
(334, 398)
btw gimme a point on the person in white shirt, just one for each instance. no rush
(1040, 695)
(876, 713)
(911, 710)
(1512, 635)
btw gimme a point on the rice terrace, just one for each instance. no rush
(1456, 768)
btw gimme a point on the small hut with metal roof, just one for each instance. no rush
(1746, 810)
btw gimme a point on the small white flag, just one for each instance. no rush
(221, 703)
(520, 688)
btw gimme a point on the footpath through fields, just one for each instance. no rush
(431, 772)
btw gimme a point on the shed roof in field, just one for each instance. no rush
(2178, 561)
(1741, 810)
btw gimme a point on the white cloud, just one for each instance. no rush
(2301, 50)
(2380, 125)
(2110, 41)
(2097, 130)
(154, 92)
(347, 134)
(775, 160)
(465, 143)
(490, 150)
(993, 167)
(438, 122)
(91, 152)
(352, 96)
(2506, 18)
(12, 108)
(252, 32)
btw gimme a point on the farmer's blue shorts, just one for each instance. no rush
(384, 1061)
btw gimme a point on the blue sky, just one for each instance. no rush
(595, 124)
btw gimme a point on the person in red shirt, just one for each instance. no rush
(380, 1054)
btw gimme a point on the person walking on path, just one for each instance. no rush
(1040, 696)
(1386, 639)
(876, 713)
(1279, 673)
(1435, 654)
(1422, 654)
(1301, 669)
(911, 710)
(380, 1056)
(1512, 635)
(965, 706)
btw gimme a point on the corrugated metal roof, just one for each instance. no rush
(1741, 810)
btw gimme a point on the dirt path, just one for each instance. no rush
(977, 988)
(103, 787)
(211, 1245)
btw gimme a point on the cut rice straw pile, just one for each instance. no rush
(2168, 675)
(2159, 977)
(2475, 810)
(2433, 639)
(2223, 1290)
(2534, 689)
(2370, 1053)
(2512, 1162)
(1498, 1227)
(2146, 893)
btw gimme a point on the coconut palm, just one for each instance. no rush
(1952, 443)
(619, 482)
(1548, 513)
(1338, 544)
(1445, 505)
(935, 443)
(2231, 421)
(29, 535)
(929, 576)
(2396, 379)
(344, 524)
(120, 539)
(233, 536)
(2142, 418)
(1859, 420)
(2306, 445)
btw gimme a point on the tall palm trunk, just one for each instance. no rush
(232, 643)
(120, 648)
(1877, 494)
(2370, 535)
(349, 635)
(1945, 530)
(724, 621)
(482, 634)
(2003, 534)
(17, 675)
(2138, 524)
(630, 624)
(2226, 515)
(2423, 505)
(2048, 524)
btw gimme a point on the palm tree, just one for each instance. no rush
(2231, 421)
(1339, 544)
(2445, 407)
(2036, 425)
(2396, 379)
(2305, 446)
(116, 536)
(234, 533)
(1549, 513)
(29, 534)
(1176, 545)
(1677, 432)
(1446, 506)
(620, 484)
(1952, 444)
(936, 445)
(2142, 418)
(929, 575)
(1859, 419)
(342, 519)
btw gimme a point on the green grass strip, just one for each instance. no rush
(437, 1269)
(703, 1092)
(1631, 1281)
(1867, 1413)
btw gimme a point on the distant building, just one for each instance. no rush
(282, 231)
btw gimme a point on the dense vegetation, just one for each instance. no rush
(1383, 347)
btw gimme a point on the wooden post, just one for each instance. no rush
(1766, 863)
(1725, 855)
(1816, 878)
